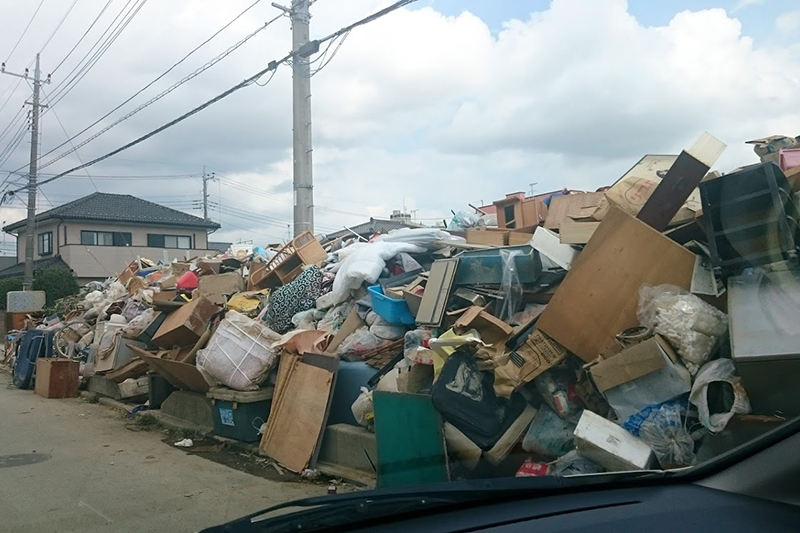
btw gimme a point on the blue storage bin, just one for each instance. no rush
(391, 310)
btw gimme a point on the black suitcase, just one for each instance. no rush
(465, 397)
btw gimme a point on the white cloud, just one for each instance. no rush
(788, 23)
(742, 4)
(418, 107)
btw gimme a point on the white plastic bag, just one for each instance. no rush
(425, 237)
(139, 323)
(359, 342)
(691, 326)
(362, 408)
(719, 370)
(239, 353)
(386, 330)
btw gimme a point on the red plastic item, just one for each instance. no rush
(187, 281)
(531, 468)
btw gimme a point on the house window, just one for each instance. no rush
(180, 242)
(46, 243)
(105, 238)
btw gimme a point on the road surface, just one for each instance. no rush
(67, 465)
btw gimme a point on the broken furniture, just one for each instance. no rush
(289, 262)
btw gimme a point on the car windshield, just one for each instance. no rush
(536, 240)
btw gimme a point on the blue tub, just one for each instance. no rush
(391, 310)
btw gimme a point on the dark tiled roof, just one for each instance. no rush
(19, 268)
(124, 208)
(374, 225)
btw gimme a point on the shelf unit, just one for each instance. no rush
(288, 263)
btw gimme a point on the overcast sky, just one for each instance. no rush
(433, 107)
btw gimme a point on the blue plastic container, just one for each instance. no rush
(389, 309)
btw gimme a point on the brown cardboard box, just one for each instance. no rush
(489, 236)
(600, 295)
(165, 296)
(184, 326)
(57, 378)
(217, 287)
(519, 237)
(537, 354)
(176, 269)
(492, 329)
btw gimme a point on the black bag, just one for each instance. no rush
(465, 397)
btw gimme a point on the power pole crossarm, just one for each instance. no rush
(32, 171)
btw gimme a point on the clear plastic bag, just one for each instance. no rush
(557, 388)
(719, 370)
(414, 349)
(692, 326)
(510, 285)
(363, 410)
(386, 330)
(666, 434)
(549, 435)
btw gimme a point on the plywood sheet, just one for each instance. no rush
(571, 204)
(296, 422)
(577, 232)
(600, 294)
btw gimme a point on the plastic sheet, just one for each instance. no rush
(359, 342)
(423, 237)
(719, 370)
(510, 285)
(692, 326)
(572, 464)
(239, 354)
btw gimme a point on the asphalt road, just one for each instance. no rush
(80, 469)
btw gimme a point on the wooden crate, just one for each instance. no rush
(57, 378)
(288, 263)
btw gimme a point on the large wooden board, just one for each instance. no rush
(599, 297)
(296, 422)
(571, 204)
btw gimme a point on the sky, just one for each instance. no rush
(438, 105)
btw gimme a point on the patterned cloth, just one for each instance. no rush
(299, 295)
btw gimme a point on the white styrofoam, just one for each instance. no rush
(549, 243)
(25, 301)
(610, 445)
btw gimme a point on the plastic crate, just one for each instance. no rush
(239, 415)
(391, 310)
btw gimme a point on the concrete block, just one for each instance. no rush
(104, 386)
(347, 448)
(191, 407)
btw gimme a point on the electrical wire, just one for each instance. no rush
(11, 95)
(69, 139)
(58, 26)
(15, 142)
(82, 36)
(14, 122)
(170, 69)
(248, 81)
(161, 95)
(24, 31)
(65, 88)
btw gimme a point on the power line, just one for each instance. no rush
(70, 140)
(170, 69)
(158, 97)
(248, 81)
(10, 95)
(83, 36)
(65, 88)
(24, 31)
(58, 26)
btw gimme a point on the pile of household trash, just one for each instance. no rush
(642, 327)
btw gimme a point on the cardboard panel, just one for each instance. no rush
(599, 297)
(217, 287)
(572, 204)
(573, 232)
(184, 326)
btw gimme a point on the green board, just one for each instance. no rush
(410, 440)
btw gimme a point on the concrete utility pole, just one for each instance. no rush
(32, 171)
(206, 179)
(301, 120)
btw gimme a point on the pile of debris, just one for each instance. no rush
(621, 330)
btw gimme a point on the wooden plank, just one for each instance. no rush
(571, 204)
(577, 232)
(437, 292)
(599, 297)
(294, 427)
(409, 439)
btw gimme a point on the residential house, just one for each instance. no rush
(97, 235)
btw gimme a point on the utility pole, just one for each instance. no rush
(206, 179)
(32, 171)
(303, 181)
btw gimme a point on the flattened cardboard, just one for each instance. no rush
(573, 232)
(634, 362)
(184, 326)
(537, 354)
(217, 287)
(600, 295)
